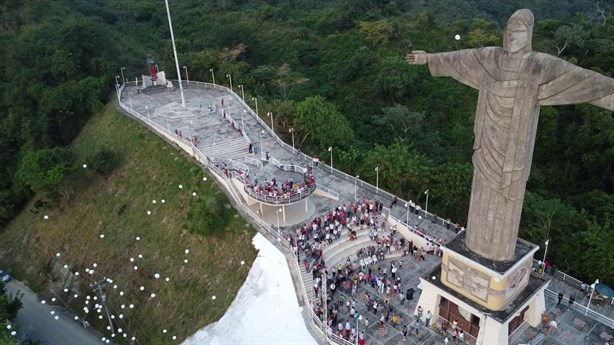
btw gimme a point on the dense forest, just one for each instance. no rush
(334, 71)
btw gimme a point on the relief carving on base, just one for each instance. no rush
(470, 280)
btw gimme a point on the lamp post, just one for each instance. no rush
(270, 114)
(229, 80)
(261, 147)
(242, 122)
(185, 68)
(426, 207)
(593, 285)
(242, 92)
(122, 72)
(357, 333)
(457, 37)
(170, 26)
(330, 149)
(356, 186)
(256, 101)
(407, 217)
(376, 180)
(147, 109)
(544, 261)
(212, 75)
(277, 213)
(291, 130)
(117, 81)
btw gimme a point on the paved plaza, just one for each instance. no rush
(206, 117)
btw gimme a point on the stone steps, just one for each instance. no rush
(348, 248)
(343, 240)
(234, 149)
(308, 281)
(352, 248)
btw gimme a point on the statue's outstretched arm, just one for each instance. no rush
(606, 102)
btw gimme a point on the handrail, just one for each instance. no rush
(414, 229)
(233, 164)
(329, 191)
(292, 198)
(584, 310)
(253, 161)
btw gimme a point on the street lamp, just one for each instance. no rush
(426, 207)
(356, 186)
(255, 100)
(291, 130)
(376, 180)
(122, 71)
(593, 285)
(277, 213)
(407, 218)
(270, 114)
(544, 261)
(242, 92)
(185, 68)
(170, 26)
(117, 81)
(330, 149)
(230, 80)
(212, 75)
(357, 333)
(261, 147)
(242, 122)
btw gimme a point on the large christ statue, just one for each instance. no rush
(513, 82)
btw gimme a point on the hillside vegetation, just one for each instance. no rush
(97, 221)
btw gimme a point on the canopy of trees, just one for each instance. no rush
(334, 72)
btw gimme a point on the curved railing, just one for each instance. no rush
(292, 198)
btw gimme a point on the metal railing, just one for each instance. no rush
(329, 191)
(412, 229)
(292, 198)
(253, 161)
(233, 164)
(584, 310)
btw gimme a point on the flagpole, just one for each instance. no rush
(170, 25)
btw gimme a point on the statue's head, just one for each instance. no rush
(519, 32)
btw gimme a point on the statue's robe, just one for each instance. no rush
(511, 91)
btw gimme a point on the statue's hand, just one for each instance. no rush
(417, 57)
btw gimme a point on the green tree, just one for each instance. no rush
(104, 160)
(395, 79)
(44, 169)
(322, 123)
(450, 190)
(402, 170)
(376, 33)
(286, 79)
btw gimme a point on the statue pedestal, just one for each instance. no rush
(489, 300)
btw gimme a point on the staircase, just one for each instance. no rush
(236, 191)
(341, 249)
(308, 283)
(234, 149)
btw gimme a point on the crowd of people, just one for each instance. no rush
(273, 188)
(369, 268)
